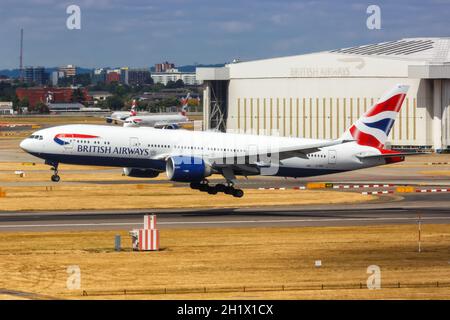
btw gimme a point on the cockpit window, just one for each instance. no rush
(37, 137)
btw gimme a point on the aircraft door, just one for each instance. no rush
(134, 142)
(332, 156)
(68, 145)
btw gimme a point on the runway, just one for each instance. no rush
(433, 209)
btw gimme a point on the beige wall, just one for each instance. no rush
(325, 107)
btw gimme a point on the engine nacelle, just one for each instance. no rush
(140, 173)
(187, 169)
(172, 126)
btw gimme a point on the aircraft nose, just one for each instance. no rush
(24, 145)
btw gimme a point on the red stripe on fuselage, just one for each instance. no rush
(75, 135)
(392, 104)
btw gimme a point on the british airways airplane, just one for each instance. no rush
(164, 121)
(193, 156)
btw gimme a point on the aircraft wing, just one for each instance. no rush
(161, 125)
(245, 166)
(284, 152)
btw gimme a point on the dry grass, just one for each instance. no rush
(436, 173)
(37, 262)
(126, 196)
(53, 120)
(126, 192)
(36, 166)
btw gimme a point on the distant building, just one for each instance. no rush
(163, 67)
(138, 76)
(5, 79)
(69, 70)
(65, 107)
(99, 95)
(6, 108)
(189, 78)
(49, 95)
(36, 75)
(319, 95)
(56, 75)
(124, 75)
(112, 76)
(72, 107)
(98, 76)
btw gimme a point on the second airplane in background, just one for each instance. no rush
(165, 121)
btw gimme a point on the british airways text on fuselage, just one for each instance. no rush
(113, 150)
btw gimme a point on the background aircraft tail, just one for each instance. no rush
(185, 104)
(133, 110)
(373, 128)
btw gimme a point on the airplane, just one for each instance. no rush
(193, 156)
(122, 115)
(165, 121)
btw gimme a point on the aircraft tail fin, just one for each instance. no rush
(373, 128)
(185, 104)
(133, 110)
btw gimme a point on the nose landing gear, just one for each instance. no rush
(54, 168)
(229, 188)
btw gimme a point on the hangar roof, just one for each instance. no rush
(428, 49)
(427, 58)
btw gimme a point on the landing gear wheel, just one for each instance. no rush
(212, 190)
(229, 190)
(238, 193)
(220, 187)
(195, 185)
(55, 178)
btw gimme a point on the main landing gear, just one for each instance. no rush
(228, 188)
(54, 168)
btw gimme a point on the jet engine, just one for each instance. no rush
(171, 126)
(187, 169)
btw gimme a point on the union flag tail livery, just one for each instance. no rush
(373, 128)
(133, 111)
(185, 104)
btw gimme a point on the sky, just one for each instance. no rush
(140, 33)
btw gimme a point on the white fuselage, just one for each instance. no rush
(154, 120)
(149, 148)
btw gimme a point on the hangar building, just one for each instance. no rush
(319, 95)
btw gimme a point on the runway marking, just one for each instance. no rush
(219, 222)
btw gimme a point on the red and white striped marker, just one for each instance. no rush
(378, 192)
(433, 190)
(148, 239)
(150, 222)
(358, 186)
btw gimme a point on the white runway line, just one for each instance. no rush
(218, 222)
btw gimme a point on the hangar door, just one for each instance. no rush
(217, 106)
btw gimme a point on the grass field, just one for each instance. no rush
(232, 258)
(436, 173)
(125, 196)
(53, 120)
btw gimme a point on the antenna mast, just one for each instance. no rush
(21, 54)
